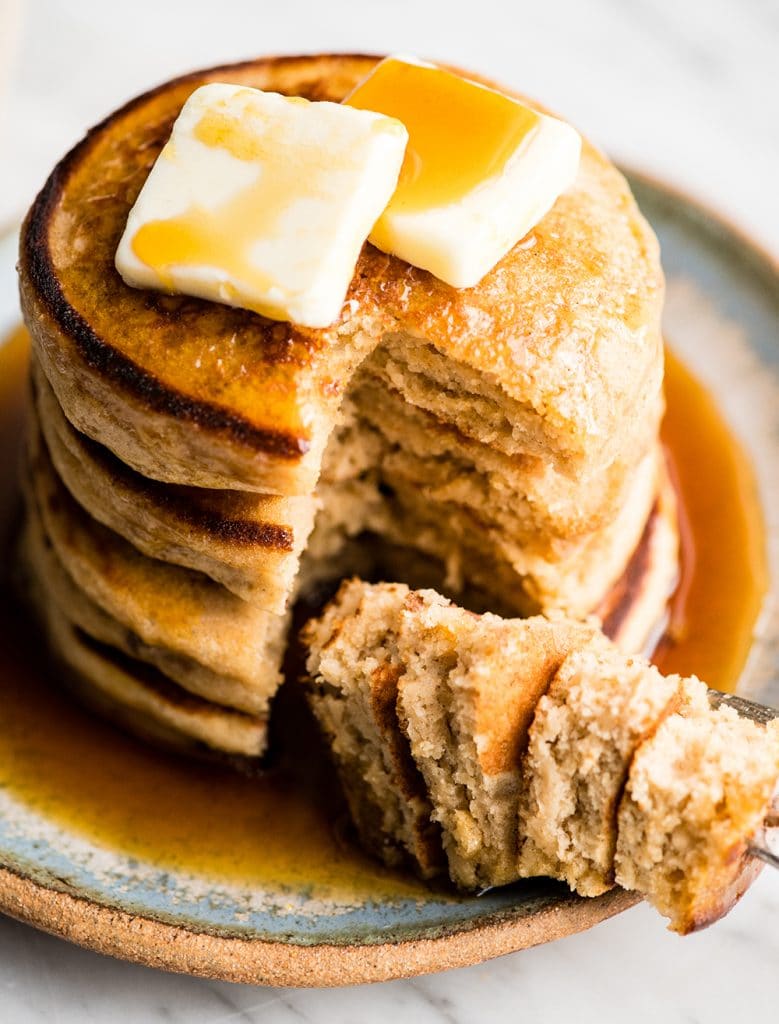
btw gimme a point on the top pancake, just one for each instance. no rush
(566, 326)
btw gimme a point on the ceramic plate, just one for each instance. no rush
(722, 317)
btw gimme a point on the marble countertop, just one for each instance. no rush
(686, 91)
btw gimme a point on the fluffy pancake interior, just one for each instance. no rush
(466, 699)
(353, 673)
(599, 707)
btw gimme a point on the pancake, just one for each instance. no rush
(466, 698)
(248, 542)
(597, 711)
(149, 699)
(164, 607)
(697, 791)
(543, 751)
(356, 710)
(552, 352)
(148, 702)
(91, 620)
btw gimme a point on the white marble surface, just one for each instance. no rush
(684, 88)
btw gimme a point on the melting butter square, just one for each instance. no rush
(262, 201)
(481, 169)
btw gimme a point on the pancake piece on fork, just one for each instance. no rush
(543, 751)
(426, 709)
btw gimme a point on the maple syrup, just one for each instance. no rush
(443, 162)
(724, 570)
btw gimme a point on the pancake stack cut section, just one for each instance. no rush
(542, 751)
(498, 442)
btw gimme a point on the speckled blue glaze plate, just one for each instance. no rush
(723, 317)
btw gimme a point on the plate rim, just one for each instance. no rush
(117, 933)
(761, 252)
(107, 929)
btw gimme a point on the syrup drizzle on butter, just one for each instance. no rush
(461, 135)
(229, 235)
(221, 236)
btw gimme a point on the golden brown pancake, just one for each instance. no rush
(562, 337)
(248, 542)
(149, 701)
(165, 607)
(90, 619)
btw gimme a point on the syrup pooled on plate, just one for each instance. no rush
(724, 573)
(285, 827)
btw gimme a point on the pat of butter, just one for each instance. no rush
(262, 201)
(481, 169)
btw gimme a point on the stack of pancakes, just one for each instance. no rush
(193, 469)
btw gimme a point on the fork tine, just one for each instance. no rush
(746, 708)
(759, 848)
